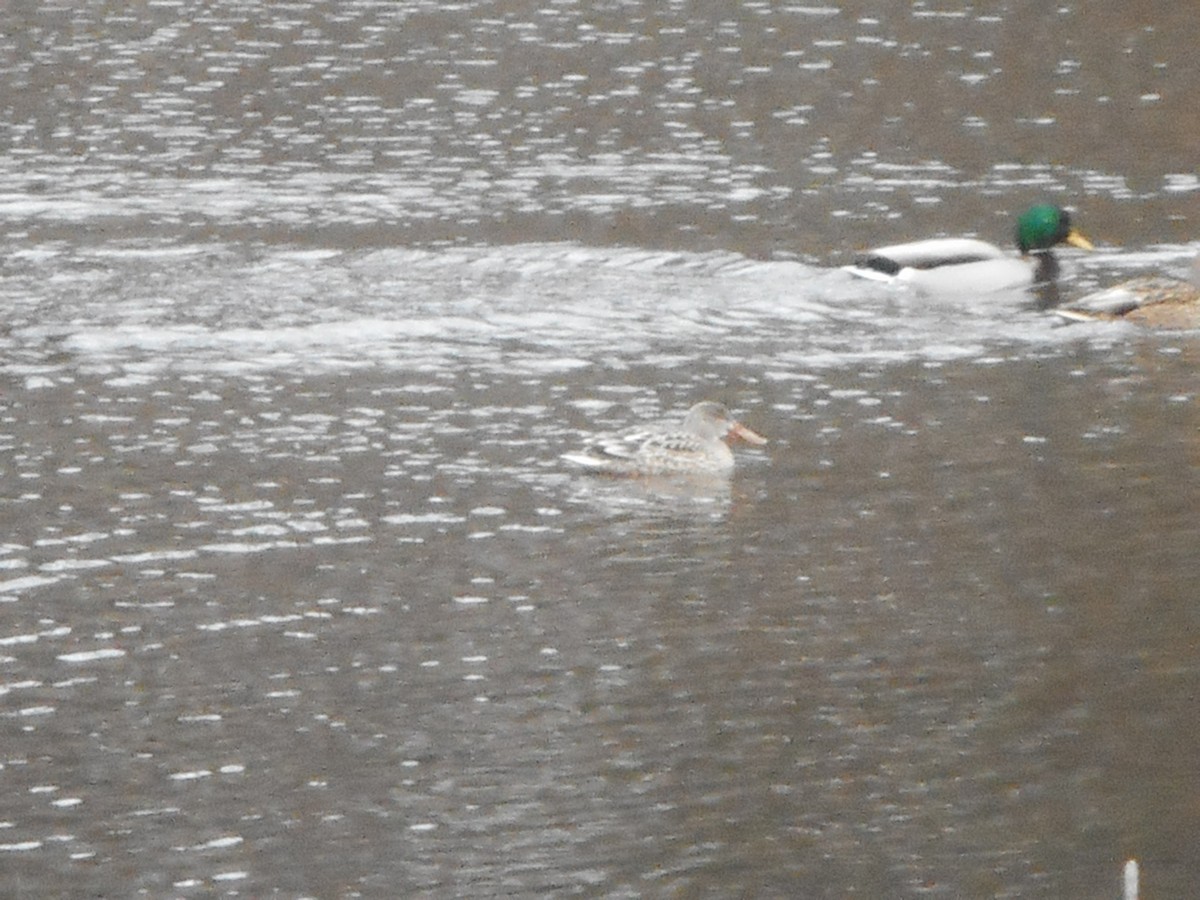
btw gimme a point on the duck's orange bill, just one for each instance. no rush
(750, 437)
(1075, 239)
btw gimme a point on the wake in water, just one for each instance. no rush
(542, 309)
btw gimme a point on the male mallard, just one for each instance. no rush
(696, 447)
(966, 265)
(1153, 300)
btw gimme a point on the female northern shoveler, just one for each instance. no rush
(969, 266)
(697, 447)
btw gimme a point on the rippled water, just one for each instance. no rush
(302, 302)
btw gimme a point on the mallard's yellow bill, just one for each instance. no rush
(1075, 239)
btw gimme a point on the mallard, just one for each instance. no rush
(696, 447)
(966, 265)
(1154, 300)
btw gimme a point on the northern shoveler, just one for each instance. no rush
(696, 447)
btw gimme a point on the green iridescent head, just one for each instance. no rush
(1045, 225)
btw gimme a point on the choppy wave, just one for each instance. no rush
(542, 309)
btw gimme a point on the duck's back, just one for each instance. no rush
(929, 254)
(654, 452)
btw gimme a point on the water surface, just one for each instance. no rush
(302, 303)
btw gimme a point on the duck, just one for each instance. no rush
(694, 447)
(1156, 301)
(968, 265)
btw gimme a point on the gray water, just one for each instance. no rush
(302, 302)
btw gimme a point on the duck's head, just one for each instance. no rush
(712, 421)
(1045, 225)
